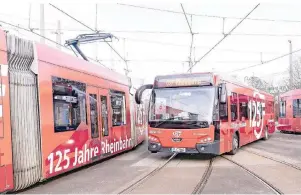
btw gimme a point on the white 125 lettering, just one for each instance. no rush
(60, 155)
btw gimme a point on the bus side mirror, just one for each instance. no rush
(140, 91)
(132, 90)
(223, 95)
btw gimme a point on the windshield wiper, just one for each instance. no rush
(201, 124)
(169, 119)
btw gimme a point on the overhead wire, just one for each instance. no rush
(268, 61)
(182, 32)
(88, 28)
(226, 35)
(25, 29)
(247, 34)
(210, 16)
(19, 27)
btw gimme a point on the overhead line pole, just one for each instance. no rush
(223, 37)
(42, 24)
(96, 29)
(290, 65)
(191, 43)
(88, 28)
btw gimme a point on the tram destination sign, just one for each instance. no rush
(183, 80)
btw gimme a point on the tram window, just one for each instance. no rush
(69, 104)
(282, 110)
(234, 106)
(299, 106)
(243, 106)
(118, 108)
(296, 108)
(93, 116)
(104, 115)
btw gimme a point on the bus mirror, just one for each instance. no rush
(223, 95)
(140, 91)
(132, 91)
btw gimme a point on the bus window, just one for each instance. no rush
(234, 106)
(282, 111)
(272, 107)
(118, 108)
(104, 115)
(243, 106)
(268, 107)
(94, 116)
(260, 109)
(139, 115)
(69, 104)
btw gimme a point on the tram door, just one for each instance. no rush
(104, 118)
(98, 118)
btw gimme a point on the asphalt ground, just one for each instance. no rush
(183, 173)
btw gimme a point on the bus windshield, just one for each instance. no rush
(182, 104)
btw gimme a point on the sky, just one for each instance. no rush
(158, 42)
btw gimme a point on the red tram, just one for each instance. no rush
(290, 111)
(59, 112)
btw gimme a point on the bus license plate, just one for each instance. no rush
(178, 149)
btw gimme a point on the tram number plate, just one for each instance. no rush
(178, 149)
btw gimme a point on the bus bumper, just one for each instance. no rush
(209, 148)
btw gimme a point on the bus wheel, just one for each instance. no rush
(235, 144)
(266, 134)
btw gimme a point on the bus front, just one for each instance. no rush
(182, 113)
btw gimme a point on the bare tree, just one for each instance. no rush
(258, 83)
(284, 84)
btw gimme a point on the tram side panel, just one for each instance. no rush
(33, 144)
(67, 143)
(6, 164)
(289, 111)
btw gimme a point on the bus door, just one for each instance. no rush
(104, 118)
(244, 129)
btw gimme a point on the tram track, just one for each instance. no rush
(202, 183)
(147, 176)
(252, 173)
(274, 159)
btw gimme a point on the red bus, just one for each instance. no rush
(203, 113)
(290, 111)
(59, 113)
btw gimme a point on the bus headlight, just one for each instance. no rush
(208, 139)
(153, 138)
